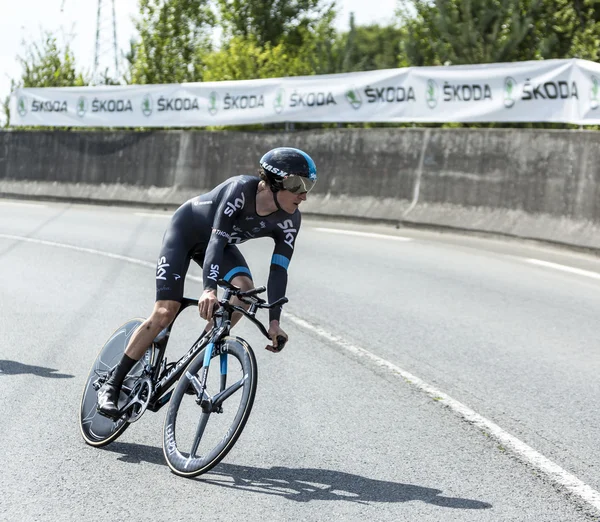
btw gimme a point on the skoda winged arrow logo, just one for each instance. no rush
(432, 94)
(212, 103)
(22, 106)
(147, 105)
(278, 104)
(354, 99)
(81, 106)
(509, 91)
(594, 92)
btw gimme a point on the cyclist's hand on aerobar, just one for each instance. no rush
(274, 332)
(207, 304)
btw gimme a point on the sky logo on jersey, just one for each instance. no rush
(289, 232)
(214, 272)
(237, 204)
(161, 267)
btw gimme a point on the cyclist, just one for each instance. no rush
(206, 229)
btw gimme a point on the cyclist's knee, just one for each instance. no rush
(245, 284)
(164, 312)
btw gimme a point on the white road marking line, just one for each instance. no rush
(553, 471)
(90, 251)
(79, 249)
(564, 268)
(150, 214)
(19, 204)
(550, 469)
(363, 234)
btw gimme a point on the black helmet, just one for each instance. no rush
(289, 169)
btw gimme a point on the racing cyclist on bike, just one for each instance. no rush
(206, 229)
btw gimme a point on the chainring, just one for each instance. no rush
(139, 399)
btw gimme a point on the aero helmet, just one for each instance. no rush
(288, 169)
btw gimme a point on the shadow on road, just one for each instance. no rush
(304, 484)
(17, 368)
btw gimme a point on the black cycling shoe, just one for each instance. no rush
(108, 398)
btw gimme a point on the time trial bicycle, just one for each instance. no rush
(199, 395)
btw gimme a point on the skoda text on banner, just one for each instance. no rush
(561, 91)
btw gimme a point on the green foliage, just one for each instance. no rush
(470, 31)
(486, 31)
(246, 57)
(272, 21)
(370, 47)
(570, 29)
(277, 38)
(45, 64)
(173, 35)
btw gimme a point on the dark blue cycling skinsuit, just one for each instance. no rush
(206, 229)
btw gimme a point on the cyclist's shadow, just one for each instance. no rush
(304, 484)
(17, 368)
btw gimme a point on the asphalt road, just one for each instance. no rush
(334, 434)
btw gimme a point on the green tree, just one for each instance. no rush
(570, 29)
(470, 31)
(46, 64)
(173, 36)
(482, 31)
(246, 57)
(369, 47)
(272, 21)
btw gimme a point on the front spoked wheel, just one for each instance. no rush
(96, 429)
(200, 430)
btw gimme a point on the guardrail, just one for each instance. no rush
(540, 184)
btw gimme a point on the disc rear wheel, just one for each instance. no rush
(96, 429)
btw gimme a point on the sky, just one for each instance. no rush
(75, 21)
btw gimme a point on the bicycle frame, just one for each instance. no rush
(163, 379)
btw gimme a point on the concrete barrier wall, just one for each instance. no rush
(528, 183)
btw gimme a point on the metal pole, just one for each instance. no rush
(115, 38)
(96, 56)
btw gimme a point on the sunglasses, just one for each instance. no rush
(297, 184)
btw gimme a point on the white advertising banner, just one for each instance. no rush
(562, 91)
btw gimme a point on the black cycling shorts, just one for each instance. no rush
(180, 246)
